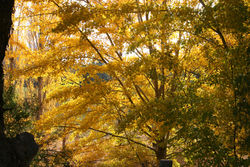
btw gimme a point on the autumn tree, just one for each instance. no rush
(147, 77)
(220, 29)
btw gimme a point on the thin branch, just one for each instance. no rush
(34, 15)
(72, 80)
(202, 3)
(139, 12)
(112, 43)
(125, 90)
(143, 93)
(222, 38)
(93, 46)
(56, 4)
(217, 30)
(146, 133)
(138, 92)
(122, 137)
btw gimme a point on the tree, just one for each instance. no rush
(6, 12)
(20, 150)
(135, 98)
(222, 28)
(172, 69)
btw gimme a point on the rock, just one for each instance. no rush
(18, 151)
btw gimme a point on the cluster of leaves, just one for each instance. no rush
(18, 114)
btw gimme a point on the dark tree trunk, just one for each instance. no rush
(160, 149)
(40, 98)
(6, 10)
(18, 151)
(160, 153)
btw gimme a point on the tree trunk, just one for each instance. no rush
(6, 9)
(40, 98)
(160, 150)
(160, 153)
(18, 151)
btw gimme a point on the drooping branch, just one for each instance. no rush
(110, 134)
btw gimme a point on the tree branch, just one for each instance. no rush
(122, 137)
(217, 30)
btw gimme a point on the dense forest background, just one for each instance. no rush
(130, 82)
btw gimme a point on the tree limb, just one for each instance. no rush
(122, 137)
